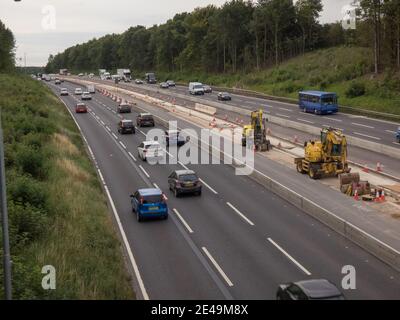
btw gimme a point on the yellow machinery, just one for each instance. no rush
(327, 157)
(256, 133)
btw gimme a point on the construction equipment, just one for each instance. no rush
(256, 133)
(327, 157)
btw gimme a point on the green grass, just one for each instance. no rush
(333, 69)
(57, 210)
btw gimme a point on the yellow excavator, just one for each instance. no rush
(256, 133)
(327, 157)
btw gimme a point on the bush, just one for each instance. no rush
(356, 89)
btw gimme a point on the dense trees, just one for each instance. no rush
(7, 45)
(238, 36)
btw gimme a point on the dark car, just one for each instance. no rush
(207, 89)
(398, 135)
(224, 96)
(149, 203)
(57, 81)
(145, 120)
(138, 81)
(174, 138)
(184, 181)
(124, 108)
(126, 126)
(171, 83)
(81, 108)
(164, 85)
(318, 289)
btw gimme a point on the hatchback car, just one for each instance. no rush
(86, 96)
(171, 83)
(138, 81)
(149, 203)
(224, 96)
(57, 81)
(318, 289)
(64, 92)
(184, 181)
(174, 137)
(164, 85)
(78, 91)
(81, 108)
(145, 119)
(124, 108)
(150, 150)
(207, 89)
(126, 126)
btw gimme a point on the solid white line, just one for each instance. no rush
(145, 172)
(305, 121)
(290, 257)
(127, 246)
(123, 146)
(132, 156)
(183, 221)
(216, 265)
(362, 125)
(396, 143)
(101, 176)
(240, 214)
(365, 135)
(391, 132)
(282, 115)
(208, 186)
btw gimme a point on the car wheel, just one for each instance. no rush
(199, 193)
(139, 217)
(133, 209)
(165, 217)
(176, 193)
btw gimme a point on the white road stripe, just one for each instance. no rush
(132, 156)
(282, 115)
(390, 131)
(123, 146)
(145, 172)
(208, 186)
(114, 135)
(240, 214)
(102, 122)
(289, 110)
(290, 257)
(156, 186)
(183, 165)
(333, 119)
(101, 176)
(216, 265)
(183, 221)
(305, 121)
(365, 135)
(108, 128)
(362, 125)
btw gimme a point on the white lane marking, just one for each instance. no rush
(290, 257)
(156, 186)
(282, 115)
(288, 110)
(132, 156)
(102, 122)
(362, 125)
(142, 132)
(390, 131)
(183, 165)
(333, 119)
(108, 128)
(101, 176)
(123, 146)
(365, 135)
(305, 120)
(240, 214)
(216, 265)
(145, 172)
(207, 185)
(183, 221)
(114, 135)
(128, 247)
(396, 143)
(113, 111)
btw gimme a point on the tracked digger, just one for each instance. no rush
(325, 157)
(256, 132)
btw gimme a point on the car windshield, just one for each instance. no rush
(148, 117)
(127, 124)
(152, 146)
(188, 177)
(157, 198)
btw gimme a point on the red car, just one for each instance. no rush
(81, 108)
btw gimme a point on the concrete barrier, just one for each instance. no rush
(206, 109)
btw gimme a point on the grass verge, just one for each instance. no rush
(57, 210)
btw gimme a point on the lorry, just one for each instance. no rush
(196, 88)
(324, 157)
(91, 88)
(256, 132)
(104, 75)
(150, 77)
(125, 74)
(63, 72)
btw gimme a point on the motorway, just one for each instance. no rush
(236, 241)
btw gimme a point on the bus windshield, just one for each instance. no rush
(328, 100)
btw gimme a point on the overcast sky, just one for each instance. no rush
(38, 35)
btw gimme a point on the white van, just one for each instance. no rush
(90, 88)
(196, 88)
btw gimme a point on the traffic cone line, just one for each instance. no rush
(296, 139)
(377, 195)
(356, 195)
(379, 167)
(382, 197)
(365, 169)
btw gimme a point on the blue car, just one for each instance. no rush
(149, 203)
(398, 135)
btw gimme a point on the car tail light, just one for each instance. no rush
(177, 183)
(141, 200)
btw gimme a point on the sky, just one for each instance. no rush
(44, 27)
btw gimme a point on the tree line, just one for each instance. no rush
(238, 36)
(7, 45)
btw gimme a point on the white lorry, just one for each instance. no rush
(125, 75)
(104, 75)
(91, 88)
(196, 88)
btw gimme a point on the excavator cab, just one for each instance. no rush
(256, 131)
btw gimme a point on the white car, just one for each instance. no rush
(150, 149)
(86, 96)
(78, 91)
(64, 92)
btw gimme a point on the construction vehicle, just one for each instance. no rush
(327, 157)
(256, 133)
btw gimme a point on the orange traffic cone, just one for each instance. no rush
(356, 195)
(365, 169)
(377, 196)
(379, 167)
(382, 198)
